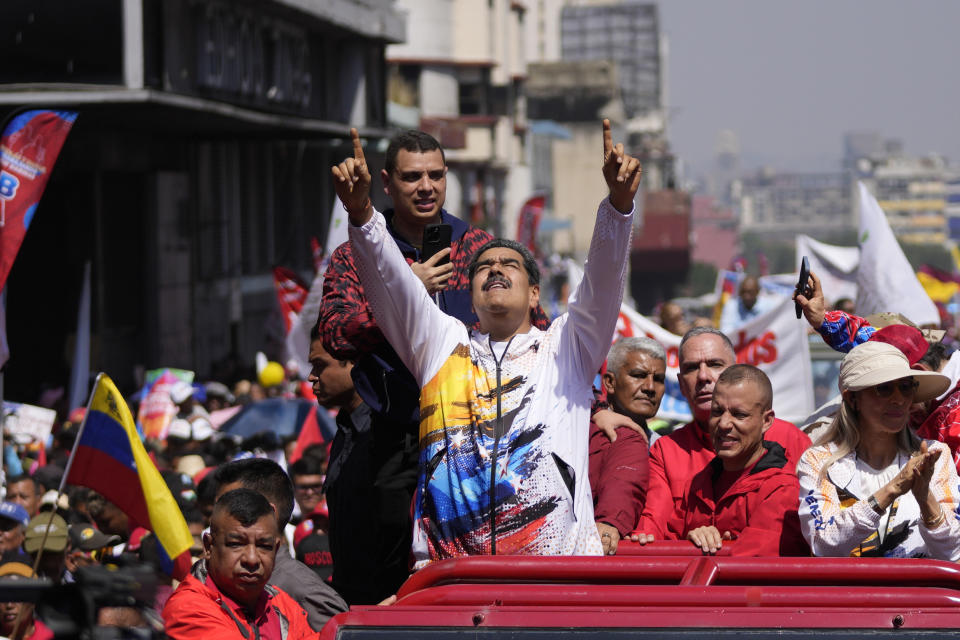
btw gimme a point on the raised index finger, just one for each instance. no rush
(357, 148)
(607, 138)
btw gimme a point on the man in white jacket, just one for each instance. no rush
(504, 409)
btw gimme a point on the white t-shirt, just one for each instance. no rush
(872, 480)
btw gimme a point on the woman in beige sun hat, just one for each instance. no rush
(869, 486)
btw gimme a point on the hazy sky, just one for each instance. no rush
(789, 78)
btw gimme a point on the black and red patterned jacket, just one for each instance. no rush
(350, 332)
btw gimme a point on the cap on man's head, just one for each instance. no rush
(180, 391)
(888, 319)
(50, 501)
(49, 476)
(907, 339)
(16, 564)
(56, 539)
(86, 537)
(194, 429)
(15, 512)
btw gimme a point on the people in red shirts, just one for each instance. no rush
(227, 595)
(675, 458)
(746, 493)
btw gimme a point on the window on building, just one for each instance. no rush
(474, 92)
(403, 84)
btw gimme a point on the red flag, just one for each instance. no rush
(29, 148)
(316, 250)
(529, 221)
(309, 434)
(291, 292)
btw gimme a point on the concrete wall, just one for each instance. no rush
(578, 185)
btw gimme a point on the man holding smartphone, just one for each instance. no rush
(415, 179)
(506, 406)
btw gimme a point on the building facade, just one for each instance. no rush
(460, 76)
(200, 159)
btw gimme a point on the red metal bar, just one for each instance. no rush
(640, 616)
(603, 596)
(499, 569)
(668, 548)
(670, 570)
(701, 571)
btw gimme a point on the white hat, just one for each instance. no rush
(202, 429)
(179, 428)
(180, 391)
(873, 363)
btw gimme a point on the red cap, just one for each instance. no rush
(907, 339)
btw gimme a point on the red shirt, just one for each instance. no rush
(198, 609)
(677, 457)
(40, 632)
(758, 507)
(618, 477)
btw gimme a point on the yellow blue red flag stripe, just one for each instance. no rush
(110, 459)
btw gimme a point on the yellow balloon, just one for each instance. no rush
(272, 374)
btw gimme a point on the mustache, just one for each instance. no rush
(494, 279)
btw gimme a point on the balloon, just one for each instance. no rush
(272, 374)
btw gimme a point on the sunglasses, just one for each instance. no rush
(316, 488)
(906, 386)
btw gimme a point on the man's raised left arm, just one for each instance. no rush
(594, 308)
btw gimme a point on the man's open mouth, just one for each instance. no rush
(500, 283)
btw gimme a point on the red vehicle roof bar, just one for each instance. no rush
(602, 596)
(685, 570)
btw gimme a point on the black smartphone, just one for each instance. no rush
(803, 288)
(435, 238)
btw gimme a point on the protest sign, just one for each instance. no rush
(156, 407)
(26, 423)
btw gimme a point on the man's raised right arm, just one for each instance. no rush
(412, 324)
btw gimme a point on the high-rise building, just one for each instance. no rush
(627, 33)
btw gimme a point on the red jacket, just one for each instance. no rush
(197, 611)
(759, 509)
(677, 457)
(618, 477)
(943, 423)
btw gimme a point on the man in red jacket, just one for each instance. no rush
(747, 493)
(674, 459)
(227, 595)
(634, 382)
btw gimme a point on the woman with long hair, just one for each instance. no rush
(869, 486)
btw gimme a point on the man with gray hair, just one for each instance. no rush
(675, 459)
(634, 383)
(636, 379)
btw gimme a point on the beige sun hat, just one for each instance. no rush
(873, 363)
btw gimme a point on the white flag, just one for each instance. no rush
(298, 338)
(836, 266)
(885, 280)
(80, 374)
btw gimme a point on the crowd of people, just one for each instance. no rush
(469, 423)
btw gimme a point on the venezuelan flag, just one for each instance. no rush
(109, 458)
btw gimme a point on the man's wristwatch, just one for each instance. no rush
(875, 505)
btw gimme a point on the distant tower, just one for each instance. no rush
(726, 165)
